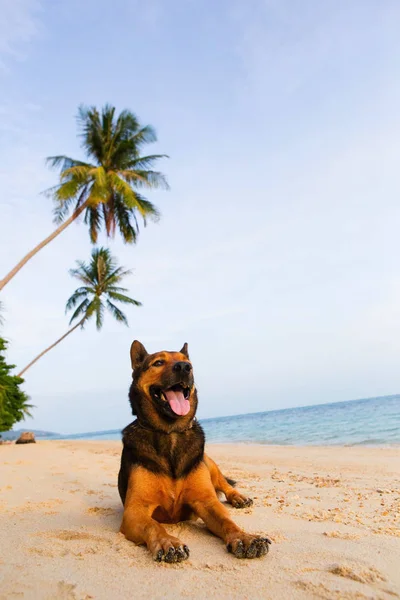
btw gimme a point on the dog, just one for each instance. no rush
(165, 476)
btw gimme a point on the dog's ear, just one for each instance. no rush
(138, 354)
(184, 350)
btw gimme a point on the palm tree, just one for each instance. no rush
(100, 290)
(105, 189)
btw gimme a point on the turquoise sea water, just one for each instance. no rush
(375, 421)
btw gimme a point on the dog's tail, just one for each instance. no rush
(231, 482)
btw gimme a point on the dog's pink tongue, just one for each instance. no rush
(178, 402)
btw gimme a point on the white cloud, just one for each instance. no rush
(19, 25)
(286, 46)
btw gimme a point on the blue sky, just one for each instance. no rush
(277, 255)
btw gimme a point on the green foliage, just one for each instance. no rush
(100, 290)
(109, 183)
(13, 401)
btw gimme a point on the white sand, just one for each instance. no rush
(336, 536)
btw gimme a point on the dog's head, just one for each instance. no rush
(162, 394)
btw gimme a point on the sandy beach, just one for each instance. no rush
(332, 513)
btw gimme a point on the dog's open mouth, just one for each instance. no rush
(177, 397)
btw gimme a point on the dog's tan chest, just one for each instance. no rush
(171, 506)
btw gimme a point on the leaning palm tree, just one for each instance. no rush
(100, 290)
(105, 189)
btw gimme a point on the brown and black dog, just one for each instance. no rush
(165, 476)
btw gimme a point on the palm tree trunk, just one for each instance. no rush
(50, 347)
(31, 254)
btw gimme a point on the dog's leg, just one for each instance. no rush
(201, 496)
(139, 527)
(221, 484)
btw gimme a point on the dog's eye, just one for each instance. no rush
(159, 363)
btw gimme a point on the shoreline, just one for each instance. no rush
(332, 512)
(388, 446)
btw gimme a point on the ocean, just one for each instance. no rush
(369, 422)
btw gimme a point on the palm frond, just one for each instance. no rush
(147, 209)
(107, 119)
(62, 162)
(146, 135)
(123, 189)
(117, 313)
(63, 207)
(144, 162)
(89, 124)
(68, 190)
(83, 273)
(93, 218)
(80, 311)
(117, 289)
(109, 215)
(126, 200)
(123, 217)
(77, 296)
(97, 308)
(26, 410)
(80, 173)
(116, 275)
(100, 176)
(124, 299)
(144, 178)
(100, 189)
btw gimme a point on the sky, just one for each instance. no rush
(277, 257)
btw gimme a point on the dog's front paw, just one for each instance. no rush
(243, 545)
(239, 501)
(170, 550)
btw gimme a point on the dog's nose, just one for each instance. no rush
(182, 367)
